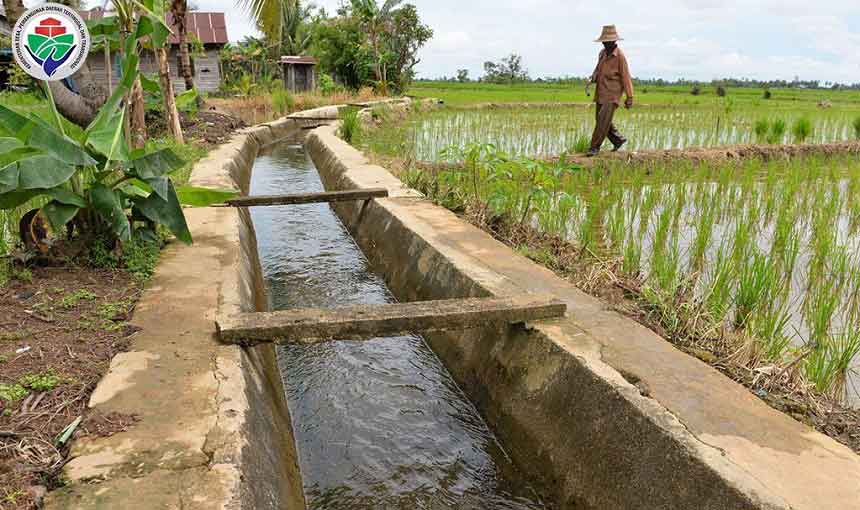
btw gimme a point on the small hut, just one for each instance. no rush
(299, 73)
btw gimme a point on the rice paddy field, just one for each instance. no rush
(767, 253)
(552, 130)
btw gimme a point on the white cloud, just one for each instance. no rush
(700, 39)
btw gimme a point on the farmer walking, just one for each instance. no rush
(612, 76)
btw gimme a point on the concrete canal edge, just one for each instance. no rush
(600, 411)
(214, 430)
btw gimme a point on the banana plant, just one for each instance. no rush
(94, 180)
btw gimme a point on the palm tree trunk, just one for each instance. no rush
(167, 92)
(179, 9)
(14, 10)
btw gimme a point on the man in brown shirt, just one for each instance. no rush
(612, 76)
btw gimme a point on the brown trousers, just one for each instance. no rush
(604, 127)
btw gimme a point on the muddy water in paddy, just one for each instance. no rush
(379, 424)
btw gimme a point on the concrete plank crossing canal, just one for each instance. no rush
(378, 424)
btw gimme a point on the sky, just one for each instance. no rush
(694, 39)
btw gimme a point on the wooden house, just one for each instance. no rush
(209, 28)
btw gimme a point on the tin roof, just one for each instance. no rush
(292, 59)
(209, 27)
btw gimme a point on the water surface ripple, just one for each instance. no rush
(379, 424)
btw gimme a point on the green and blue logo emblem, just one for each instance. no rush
(50, 42)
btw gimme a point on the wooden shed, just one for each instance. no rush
(299, 73)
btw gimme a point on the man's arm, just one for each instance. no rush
(627, 81)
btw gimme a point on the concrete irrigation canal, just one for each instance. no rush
(575, 407)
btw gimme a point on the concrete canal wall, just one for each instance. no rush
(601, 411)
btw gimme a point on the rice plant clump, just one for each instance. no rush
(802, 129)
(856, 125)
(777, 132)
(761, 128)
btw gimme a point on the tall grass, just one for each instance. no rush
(283, 101)
(350, 124)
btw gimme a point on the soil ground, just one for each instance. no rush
(209, 127)
(58, 333)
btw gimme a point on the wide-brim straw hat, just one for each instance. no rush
(610, 34)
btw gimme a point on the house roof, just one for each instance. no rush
(291, 59)
(209, 27)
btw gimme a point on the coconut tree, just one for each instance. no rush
(179, 11)
(281, 21)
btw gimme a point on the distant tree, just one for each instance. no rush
(374, 18)
(721, 91)
(508, 70)
(404, 36)
(767, 94)
(462, 75)
(339, 45)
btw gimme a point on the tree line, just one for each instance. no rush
(365, 43)
(511, 69)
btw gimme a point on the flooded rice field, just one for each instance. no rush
(379, 424)
(547, 131)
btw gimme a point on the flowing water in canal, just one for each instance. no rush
(379, 424)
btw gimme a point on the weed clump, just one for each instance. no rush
(138, 256)
(45, 381)
(12, 392)
(350, 124)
